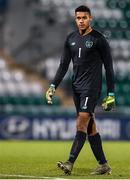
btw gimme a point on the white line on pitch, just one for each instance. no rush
(31, 177)
(43, 177)
(22, 176)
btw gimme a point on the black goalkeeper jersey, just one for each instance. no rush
(87, 53)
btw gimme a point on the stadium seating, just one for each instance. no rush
(20, 95)
(111, 17)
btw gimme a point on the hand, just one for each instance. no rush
(109, 102)
(50, 93)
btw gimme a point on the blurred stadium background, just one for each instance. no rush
(32, 33)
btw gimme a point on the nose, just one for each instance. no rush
(81, 20)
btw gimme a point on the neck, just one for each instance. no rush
(85, 31)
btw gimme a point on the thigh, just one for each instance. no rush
(83, 121)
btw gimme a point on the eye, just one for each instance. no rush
(85, 17)
(78, 18)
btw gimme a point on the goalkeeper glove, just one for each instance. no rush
(50, 93)
(109, 102)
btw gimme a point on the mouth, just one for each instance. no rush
(82, 26)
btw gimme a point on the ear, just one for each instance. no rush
(91, 17)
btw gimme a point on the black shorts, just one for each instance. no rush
(85, 103)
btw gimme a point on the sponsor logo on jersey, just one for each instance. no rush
(73, 44)
(89, 44)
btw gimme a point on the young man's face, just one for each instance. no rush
(83, 20)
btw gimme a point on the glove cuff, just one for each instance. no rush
(111, 94)
(52, 85)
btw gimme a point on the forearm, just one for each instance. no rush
(110, 79)
(60, 74)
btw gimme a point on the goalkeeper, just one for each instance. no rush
(88, 50)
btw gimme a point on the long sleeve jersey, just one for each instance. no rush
(88, 53)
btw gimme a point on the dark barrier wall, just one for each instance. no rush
(60, 128)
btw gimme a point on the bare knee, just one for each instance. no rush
(82, 121)
(91, 129)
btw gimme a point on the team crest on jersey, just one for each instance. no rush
(89, 44)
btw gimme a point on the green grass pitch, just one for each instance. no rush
(37, 159)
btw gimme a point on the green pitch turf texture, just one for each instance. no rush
(37, 159)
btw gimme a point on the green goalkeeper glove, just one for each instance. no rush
(109, 102)
(50, 93)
